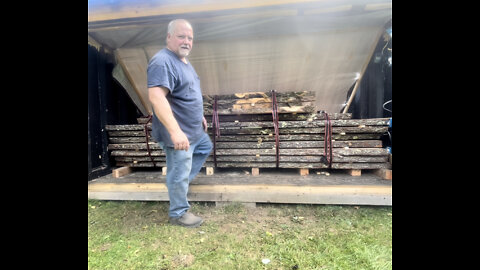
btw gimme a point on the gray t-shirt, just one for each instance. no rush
(185, 96)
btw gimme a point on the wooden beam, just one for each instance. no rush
(134, 64)
(258, 193)
(121, 172)
(120, 76)
(362, 71)
(384, 173)
(117, 10)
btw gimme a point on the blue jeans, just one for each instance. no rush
(182, 167)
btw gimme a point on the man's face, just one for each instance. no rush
(181, 41)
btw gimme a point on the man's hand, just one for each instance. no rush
(205, 124)
(180, 141)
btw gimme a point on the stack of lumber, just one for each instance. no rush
(247, 136)
(249, 141)
(260, 103)
(128, 146)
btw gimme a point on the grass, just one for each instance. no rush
(136, 235)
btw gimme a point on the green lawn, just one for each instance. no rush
(136, 235)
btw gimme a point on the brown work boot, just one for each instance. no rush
(187, 220)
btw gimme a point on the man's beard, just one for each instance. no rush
(183, 52)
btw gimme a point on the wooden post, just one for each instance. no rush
(362, 72)
(255, 171)
(164, 170)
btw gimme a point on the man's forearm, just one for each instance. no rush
(164, 113)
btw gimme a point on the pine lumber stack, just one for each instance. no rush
(247, 137)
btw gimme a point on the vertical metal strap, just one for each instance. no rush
(216, 130)
(327, 151)
(145, 128)
(275, 126)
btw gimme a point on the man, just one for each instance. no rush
(178, 123)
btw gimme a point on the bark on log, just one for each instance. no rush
(268, 117)
(261, 145)
(302, 159)
(269, 152)
(267, 131)
(273, 165)
(304, 152)
(281, 117)
(253, 138)
(291, 96)
(360, 123)
(295, 137)
(298, 144)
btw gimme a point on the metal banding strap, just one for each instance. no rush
(328, 153)
(145, 128)
(216, 130)
(275, 125)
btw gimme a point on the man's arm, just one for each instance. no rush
(157, 96)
